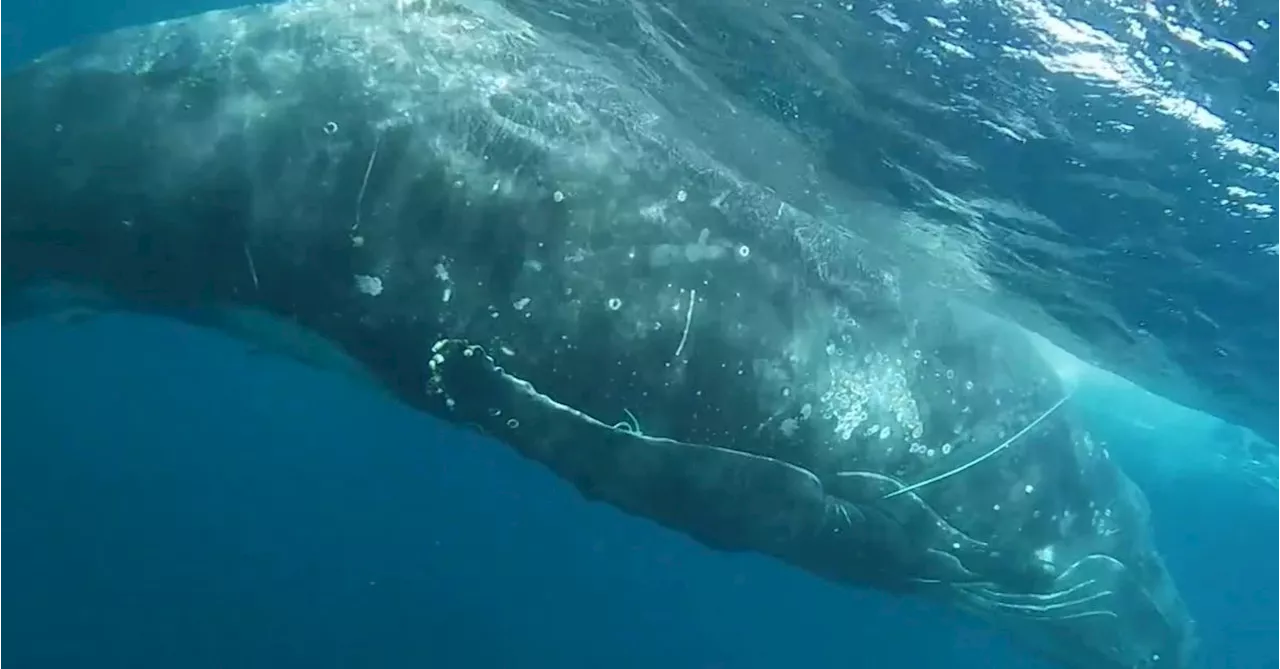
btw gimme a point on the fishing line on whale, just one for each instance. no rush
(631, 424)
(985, 456)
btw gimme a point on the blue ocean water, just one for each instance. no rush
(178, 499)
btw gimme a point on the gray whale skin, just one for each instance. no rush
(495, 226)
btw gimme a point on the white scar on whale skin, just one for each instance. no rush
(253, 271)
(688, 320)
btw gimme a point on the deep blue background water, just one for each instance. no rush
(175, 500)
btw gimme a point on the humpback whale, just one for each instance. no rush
(507, 228)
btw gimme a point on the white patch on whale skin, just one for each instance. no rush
(442, 273)
(871, 385)
(704, 248)
(369, 285)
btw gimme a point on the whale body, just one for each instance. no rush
(505, 228)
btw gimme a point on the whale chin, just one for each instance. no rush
(261, 331)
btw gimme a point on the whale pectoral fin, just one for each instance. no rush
(724, 498)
